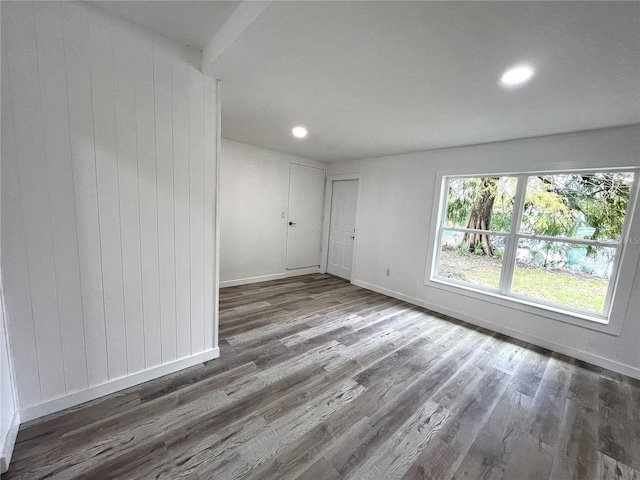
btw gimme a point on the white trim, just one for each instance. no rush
(511, 245)
(529, 236)
(493, 233)
(525, 304)
(112, 386)
(265, 278)
(328, 193)
(558, 168)
(511, 332)
(9, 442)
(216, 233)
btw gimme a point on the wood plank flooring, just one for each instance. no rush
(322, 380)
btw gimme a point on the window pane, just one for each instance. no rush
(589, 206)
(571, 275)
(483, 203)
(476, 268)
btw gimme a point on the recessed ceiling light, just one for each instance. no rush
(516, 76)
(299, 132)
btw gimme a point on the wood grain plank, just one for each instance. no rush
(578, 439)
(397, 455)
(615, 431)
(549, 401)
(469, 412)
(287, 429)
(528, 376)
(433, 462)
(320, 470)
(530, 459)
(610, 468)
(295, 458)
(492, 448)
(350, 453)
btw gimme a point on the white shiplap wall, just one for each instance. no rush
(108, 201)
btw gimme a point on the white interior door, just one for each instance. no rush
(306, 198)
(342, 228)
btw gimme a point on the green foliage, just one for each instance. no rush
(463, 248)
(558, 205)
(545, 213)
(462, 193)
(503, 204)
(501, 222)
(555, 205)
(560, 286)
(610, 194)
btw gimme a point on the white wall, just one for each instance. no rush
(254, 190)
(396, 219)
(108, 208)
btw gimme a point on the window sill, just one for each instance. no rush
(584, 320)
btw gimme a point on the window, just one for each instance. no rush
(551, 239)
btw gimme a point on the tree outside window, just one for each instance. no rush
(559, 249)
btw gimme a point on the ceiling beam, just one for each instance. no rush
(237, 23)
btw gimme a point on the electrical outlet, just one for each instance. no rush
(388, 272)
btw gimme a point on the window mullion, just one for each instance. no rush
(475, 230)
(442, 221)
(511, 244)
(581, 241)
(610, 289)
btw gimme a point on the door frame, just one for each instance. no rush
(326, 219)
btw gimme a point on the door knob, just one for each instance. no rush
(292, 224)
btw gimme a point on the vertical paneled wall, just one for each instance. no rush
(108, 198)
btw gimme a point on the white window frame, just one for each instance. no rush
(502, 295)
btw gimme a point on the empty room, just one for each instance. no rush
(320, 240)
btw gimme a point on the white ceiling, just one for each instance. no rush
(380, 78)
(193, 23)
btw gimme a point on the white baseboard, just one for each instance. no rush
(6, 448)
(266, 278)
(511, 332)
(97, 391)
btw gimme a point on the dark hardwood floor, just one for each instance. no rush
(319, 379)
